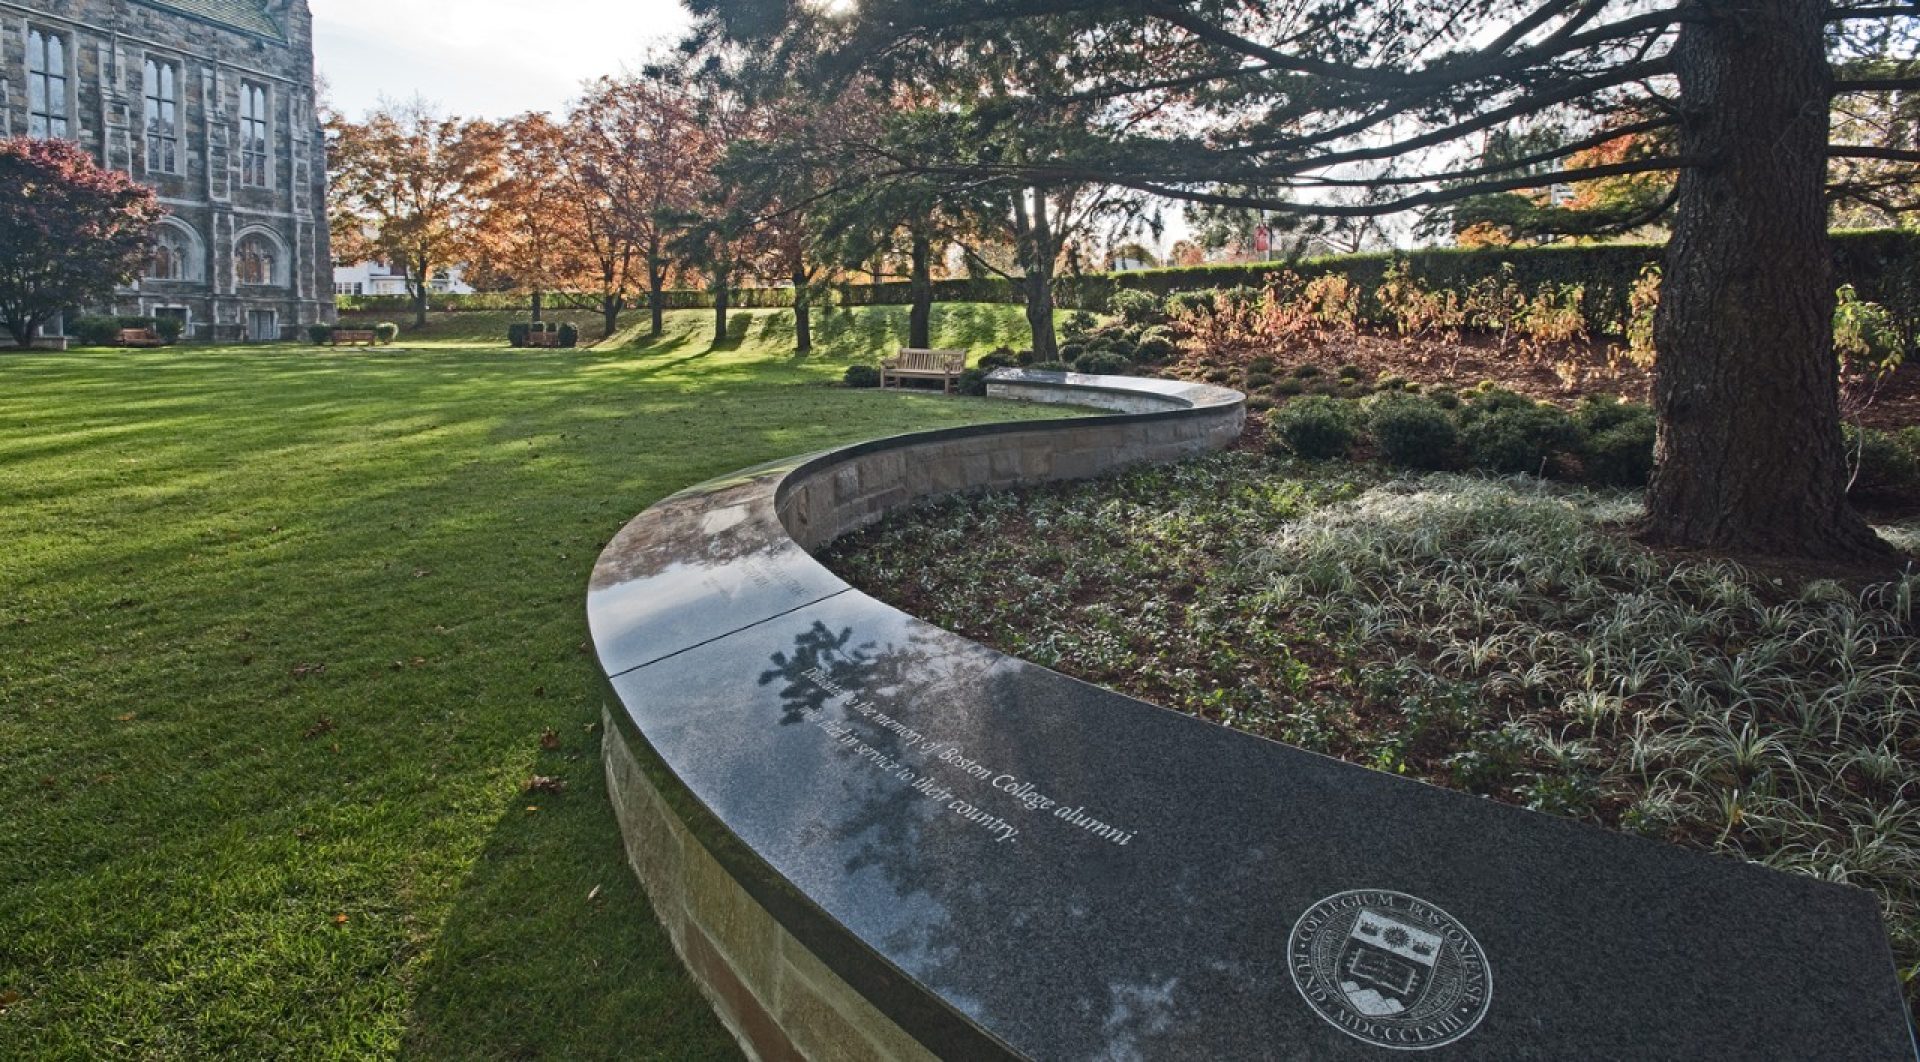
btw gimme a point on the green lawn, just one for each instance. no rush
(280, 632)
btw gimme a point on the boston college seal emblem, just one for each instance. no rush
(1390, 969)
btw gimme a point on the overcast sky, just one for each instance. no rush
(482, 58)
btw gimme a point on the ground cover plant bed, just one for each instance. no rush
(1499, 636)
(298, 723)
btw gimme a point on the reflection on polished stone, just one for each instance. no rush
(699, 565)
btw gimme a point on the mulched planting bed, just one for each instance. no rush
(1498, 636)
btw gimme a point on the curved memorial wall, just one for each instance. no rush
(871, 838)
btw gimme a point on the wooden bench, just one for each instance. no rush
(914, 363)
(351, 336)
(140, 337)
(544, 339)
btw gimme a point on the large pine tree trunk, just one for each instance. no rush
(1750, 453)
(920, 316)
(1038, 252)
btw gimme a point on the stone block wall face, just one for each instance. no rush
(212, 207)
(824, 504)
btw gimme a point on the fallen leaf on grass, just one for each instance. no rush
(550, 739)
(323, 725)
(304, 670)
(541, 783)
(340, 919)
(8, 997)
(127, 718)
(594, 895)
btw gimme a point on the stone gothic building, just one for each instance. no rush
(211, 103)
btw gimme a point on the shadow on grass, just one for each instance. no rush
(613, 974)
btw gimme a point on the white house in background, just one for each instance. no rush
(379, 278)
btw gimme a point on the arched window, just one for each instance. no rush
(172, 257)
(256, 261)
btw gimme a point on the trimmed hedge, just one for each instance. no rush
(1883, 265)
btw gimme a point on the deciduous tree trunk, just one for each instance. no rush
(720, 287)
(1750, 453)
(539, 303)
(920, 316)
(657, 287)
(802, 311)
(610, 314)
(423, 279)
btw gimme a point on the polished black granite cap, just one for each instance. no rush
(1011, 862)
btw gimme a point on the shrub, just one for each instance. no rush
(1866, 335)
(320, 335)
(1156, 345)
(1079, 323)
(1262, 364)
(1051, 366)
(1071, 351)
(1102, 363)
(1488, 398)
(1350, 372)
(1025, 357)
(1126, 348)
(974, 382)
(517, 333)
(95, 331)
(1412, 432)
(1259, 381)
(1390, 382)
(1002, 358)
(1306, 372)
(1604, 414)
(1499, 436)
(861, 376)
(1190, 303)
(1219, 375)
(170, 328)
(1287, 388)
(569, 336)
(1880, 463)
(386, 332)
(1259, 404)
(1136, 307)
(1622, 456)
(1313, 427)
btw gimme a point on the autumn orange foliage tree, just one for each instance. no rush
(637, 152)
(531, 236)
(410, 186)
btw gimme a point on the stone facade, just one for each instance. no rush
(210, 103)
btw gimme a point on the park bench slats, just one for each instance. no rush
(917, 363)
